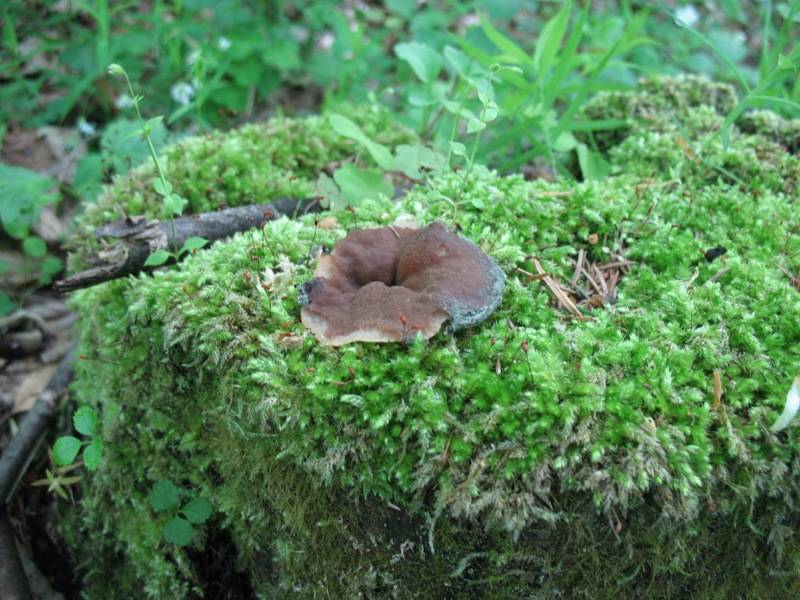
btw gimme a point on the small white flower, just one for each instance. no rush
(193, 57)
(182, 93)
(470, 20)
(687, 16)
(223, 43)
(123, 101)
(86, 128)
(326, 40)
(300, 34)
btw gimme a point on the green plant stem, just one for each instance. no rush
(475, 149)
(426, 113)
(150, 147)
(453, 132)
(145, 133)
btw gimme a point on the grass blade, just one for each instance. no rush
(514, 53)
(550, 39)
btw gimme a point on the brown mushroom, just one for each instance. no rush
(391, 284)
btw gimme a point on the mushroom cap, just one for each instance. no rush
(391, 284)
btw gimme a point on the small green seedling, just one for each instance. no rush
(351, 184)
(66, 448)
(165, 497)
(172, 203)
(159, 257)
(57, 480)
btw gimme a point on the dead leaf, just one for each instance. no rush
(717, 390)
(30, 388)
(290, 340)
(53, 151)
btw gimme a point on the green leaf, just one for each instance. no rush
(485, 92)
(51, 265)
(565, 142)
(162, 188)
(592, 164)
(88, 176)
(85, 421)
(550, 39)
(328, 191)
(233, 97)
(65, 450)
(359, 184)
(410, 159)
(475, 125)
(424, 60)
(193, 243)
(248, 71)
(512, 52)
(460, 62)
(122, 149)
(93, 454)
(420, 98)
(347, 128)
(282, 52)
(157, 258)
(152, 124)
(7, 305)
(197, 511)
(458, 148)
(174, 205)
(22, 195)
(404, 8)
(34, 246)
(164, 496)
(178, 531)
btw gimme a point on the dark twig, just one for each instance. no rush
(21, 449)
(134, 239)
(13, 583)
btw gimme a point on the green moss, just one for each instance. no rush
(261, 162)
(592, 465)
(657, 104)
(785, 132)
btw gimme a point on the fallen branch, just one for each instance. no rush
(21, 449)
(792, 277)
(13, 583)
(556, 290)
(135, 238)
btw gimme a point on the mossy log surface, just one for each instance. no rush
(535, 455)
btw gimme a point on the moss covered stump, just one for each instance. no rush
(539, 454)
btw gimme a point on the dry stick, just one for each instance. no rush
(717, 385)
(578, 267)
(554, 193)
(13, 463)
(13, 583)
(601, 279)
(718, 275)
(21, 449)
(530, 275)
(793, 278)
(136, 238)
(563, 299)
(619, 263)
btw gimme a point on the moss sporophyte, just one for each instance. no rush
(579, 441)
